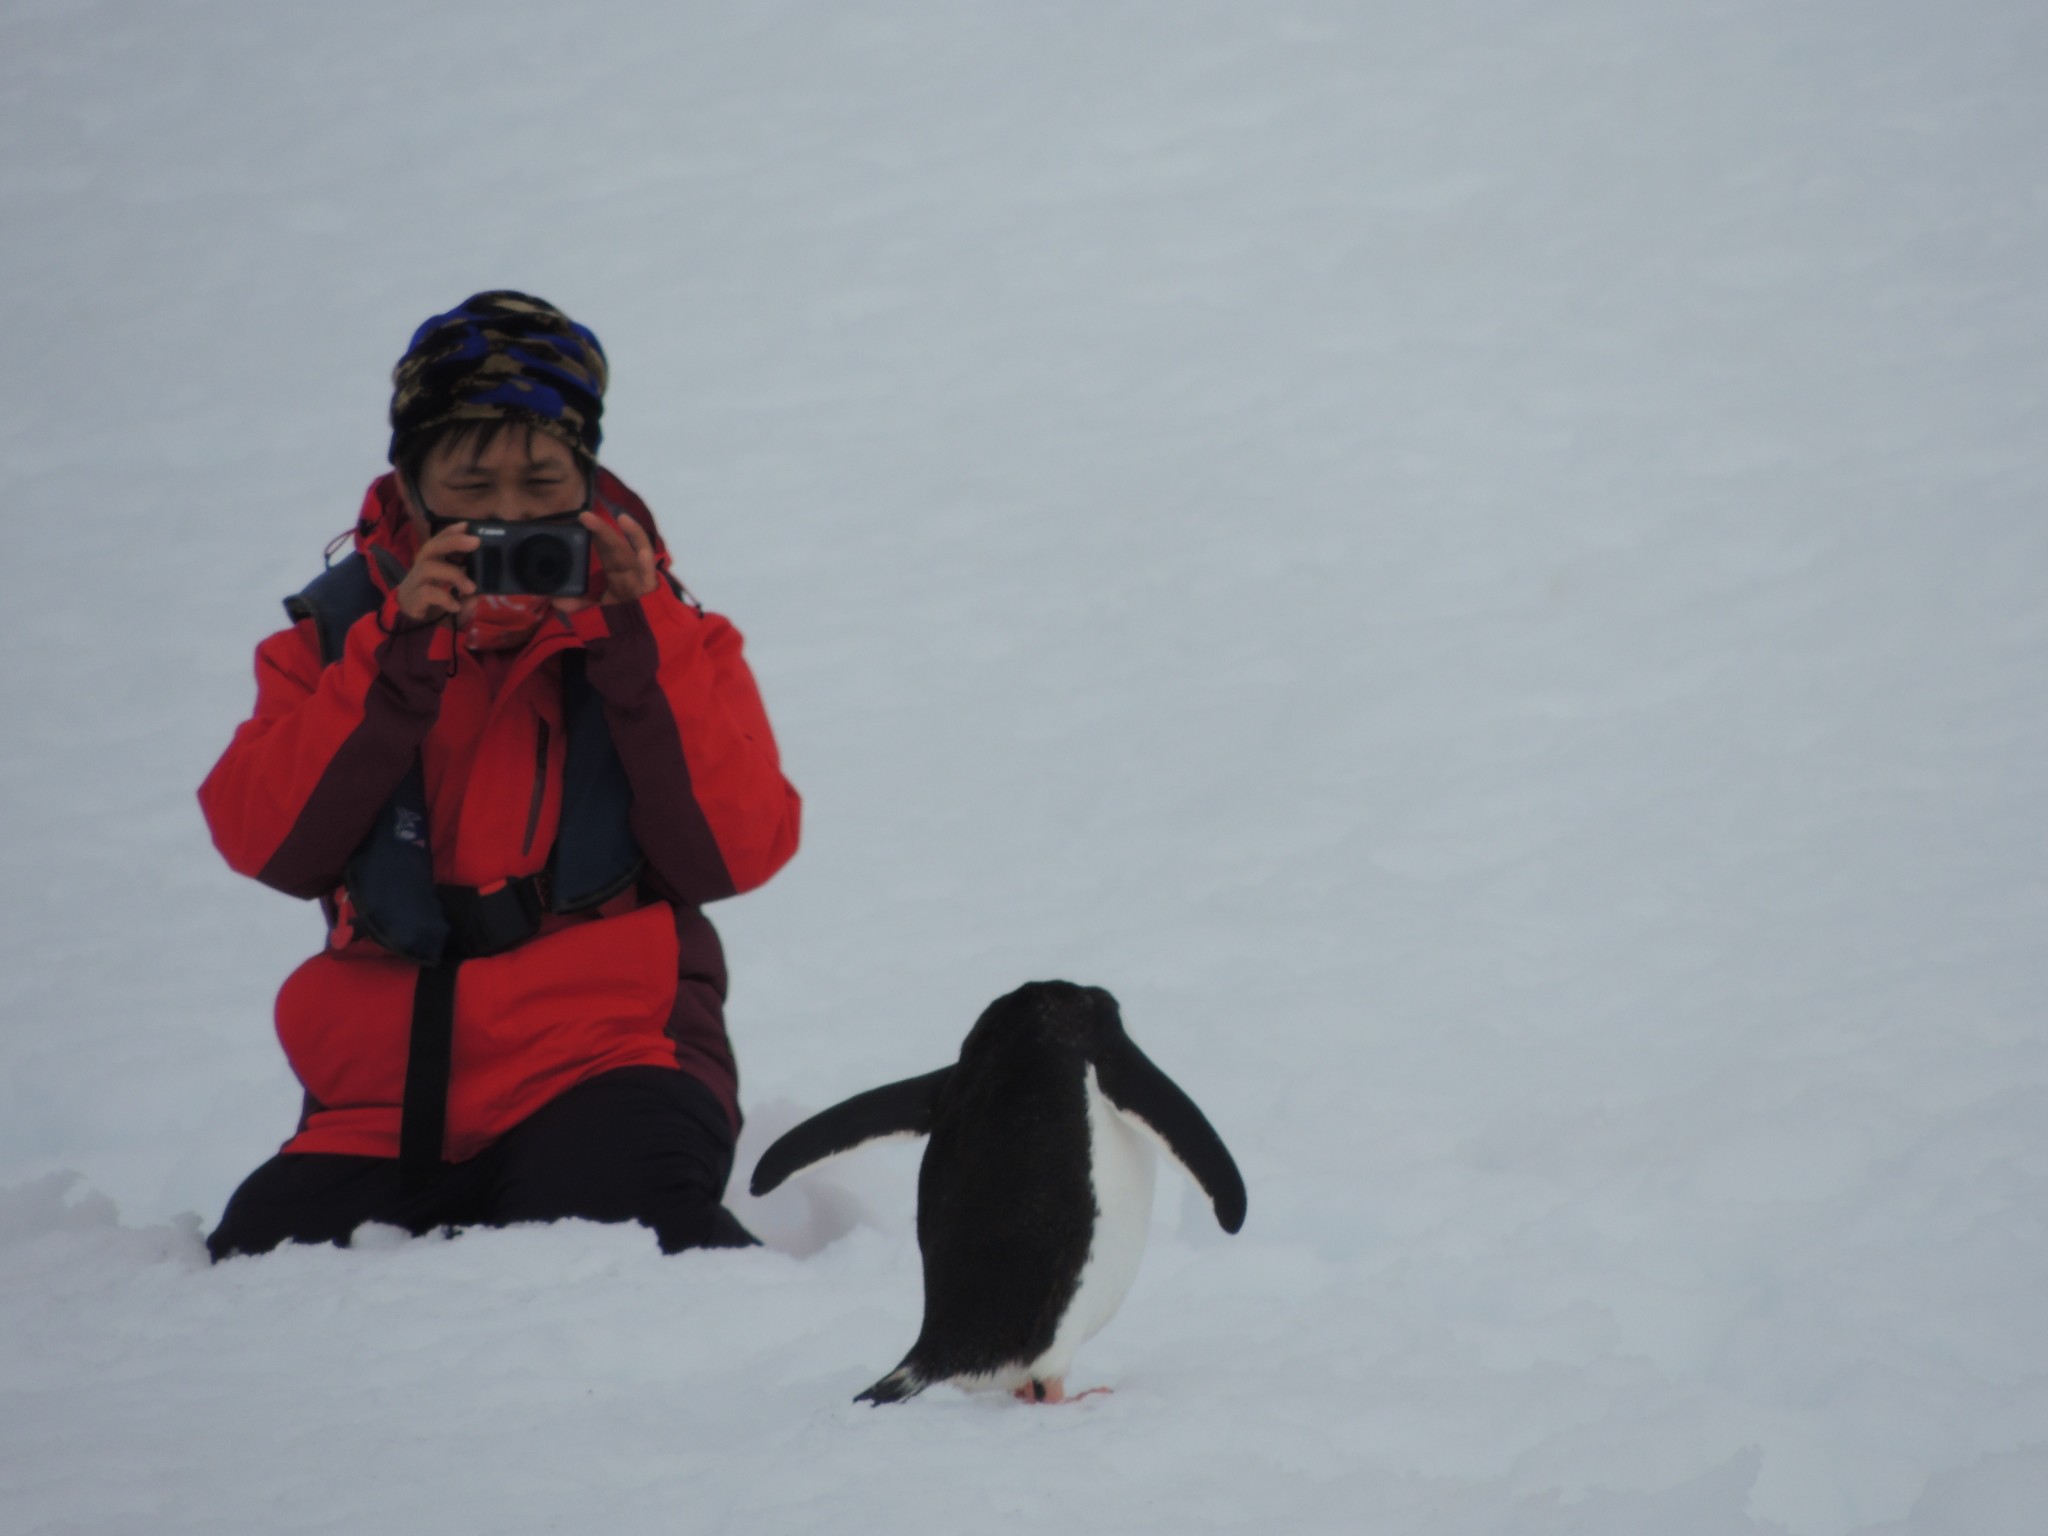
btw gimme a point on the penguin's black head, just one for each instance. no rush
(1055, 1015)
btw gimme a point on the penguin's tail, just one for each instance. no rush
(905, 1382)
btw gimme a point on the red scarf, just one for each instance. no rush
(505, 621)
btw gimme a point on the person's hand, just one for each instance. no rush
(627, 555)
(437, 587)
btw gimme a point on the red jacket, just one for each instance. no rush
(638, 982)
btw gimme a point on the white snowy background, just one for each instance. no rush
(1482, 565)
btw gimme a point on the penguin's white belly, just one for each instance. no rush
(1120, 1166)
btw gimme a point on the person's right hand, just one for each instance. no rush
(437, 587)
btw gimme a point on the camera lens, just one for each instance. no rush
(542, 563)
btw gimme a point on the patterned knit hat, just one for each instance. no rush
(501, 356)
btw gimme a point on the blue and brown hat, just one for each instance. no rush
(501, 356)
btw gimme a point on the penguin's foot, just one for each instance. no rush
(1054, 1390)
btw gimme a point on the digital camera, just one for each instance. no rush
(543, 559)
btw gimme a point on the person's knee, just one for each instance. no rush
(643, 1144)
(303, 1198)
(236, 1237)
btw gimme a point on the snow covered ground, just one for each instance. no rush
(1481, 565)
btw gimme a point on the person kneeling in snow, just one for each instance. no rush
(511, 808)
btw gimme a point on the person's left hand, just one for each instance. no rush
(627, 555)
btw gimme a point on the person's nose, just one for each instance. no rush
(516, 503)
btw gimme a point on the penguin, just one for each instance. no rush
(1035, 1194)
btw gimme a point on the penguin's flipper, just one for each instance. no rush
(1149, 1097)
(896, 1109)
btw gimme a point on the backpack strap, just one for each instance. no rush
(390, 876)
(429, 1056)
(596, 855)
(335, 599)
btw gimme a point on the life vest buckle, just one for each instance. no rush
(491, 919)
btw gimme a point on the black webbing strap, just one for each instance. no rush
(424, 1116)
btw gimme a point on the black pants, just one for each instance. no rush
(639, 1144)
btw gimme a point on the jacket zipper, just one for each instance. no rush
(540, 786)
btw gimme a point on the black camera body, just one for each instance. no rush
(539, 558)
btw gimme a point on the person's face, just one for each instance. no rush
(518, 476)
